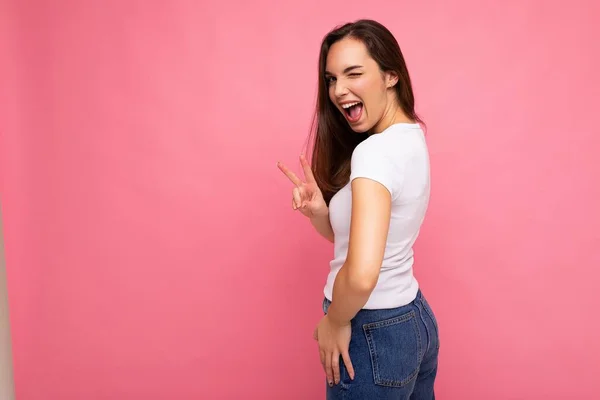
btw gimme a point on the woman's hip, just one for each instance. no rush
(388, 347)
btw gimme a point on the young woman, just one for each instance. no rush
(367, 192)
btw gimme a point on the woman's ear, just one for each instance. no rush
(391, 79)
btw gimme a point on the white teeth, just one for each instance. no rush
(350, 104)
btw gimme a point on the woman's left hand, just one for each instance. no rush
(334, 340)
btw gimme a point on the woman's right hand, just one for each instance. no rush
(306, 196)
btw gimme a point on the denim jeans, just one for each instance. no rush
(394, 353)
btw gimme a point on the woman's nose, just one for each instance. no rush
(340, 89)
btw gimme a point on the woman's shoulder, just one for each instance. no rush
(396, 141)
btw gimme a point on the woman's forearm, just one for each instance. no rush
(351, 293)
(323, 226)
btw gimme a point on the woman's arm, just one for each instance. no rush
(369, 224)
(323, 226)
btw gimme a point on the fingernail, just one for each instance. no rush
(330, 383)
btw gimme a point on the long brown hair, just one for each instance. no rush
(332, 138)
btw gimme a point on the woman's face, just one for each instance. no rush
(357, 87)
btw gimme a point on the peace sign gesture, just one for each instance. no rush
(306, 196)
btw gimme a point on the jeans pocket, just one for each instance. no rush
(395, 349)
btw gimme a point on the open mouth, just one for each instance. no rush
(353, 111)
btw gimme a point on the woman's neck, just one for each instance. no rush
(392, 116)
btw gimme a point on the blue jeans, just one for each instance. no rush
(394, 353)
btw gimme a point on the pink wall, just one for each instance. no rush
(145, 222)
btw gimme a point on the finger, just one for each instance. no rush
(295, 180)
(316, 334)
(348, 364)
(335, 366)
(297, 197)
(294, 204)
(323, 360)
(308, 174)
(328, 369)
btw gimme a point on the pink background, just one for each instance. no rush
(151, 248)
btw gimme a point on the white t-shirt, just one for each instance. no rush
(397, 158)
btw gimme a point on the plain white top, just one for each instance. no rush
(397, 158)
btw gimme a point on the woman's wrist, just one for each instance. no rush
(324, 213)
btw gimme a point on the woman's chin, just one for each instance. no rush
(360, 127)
